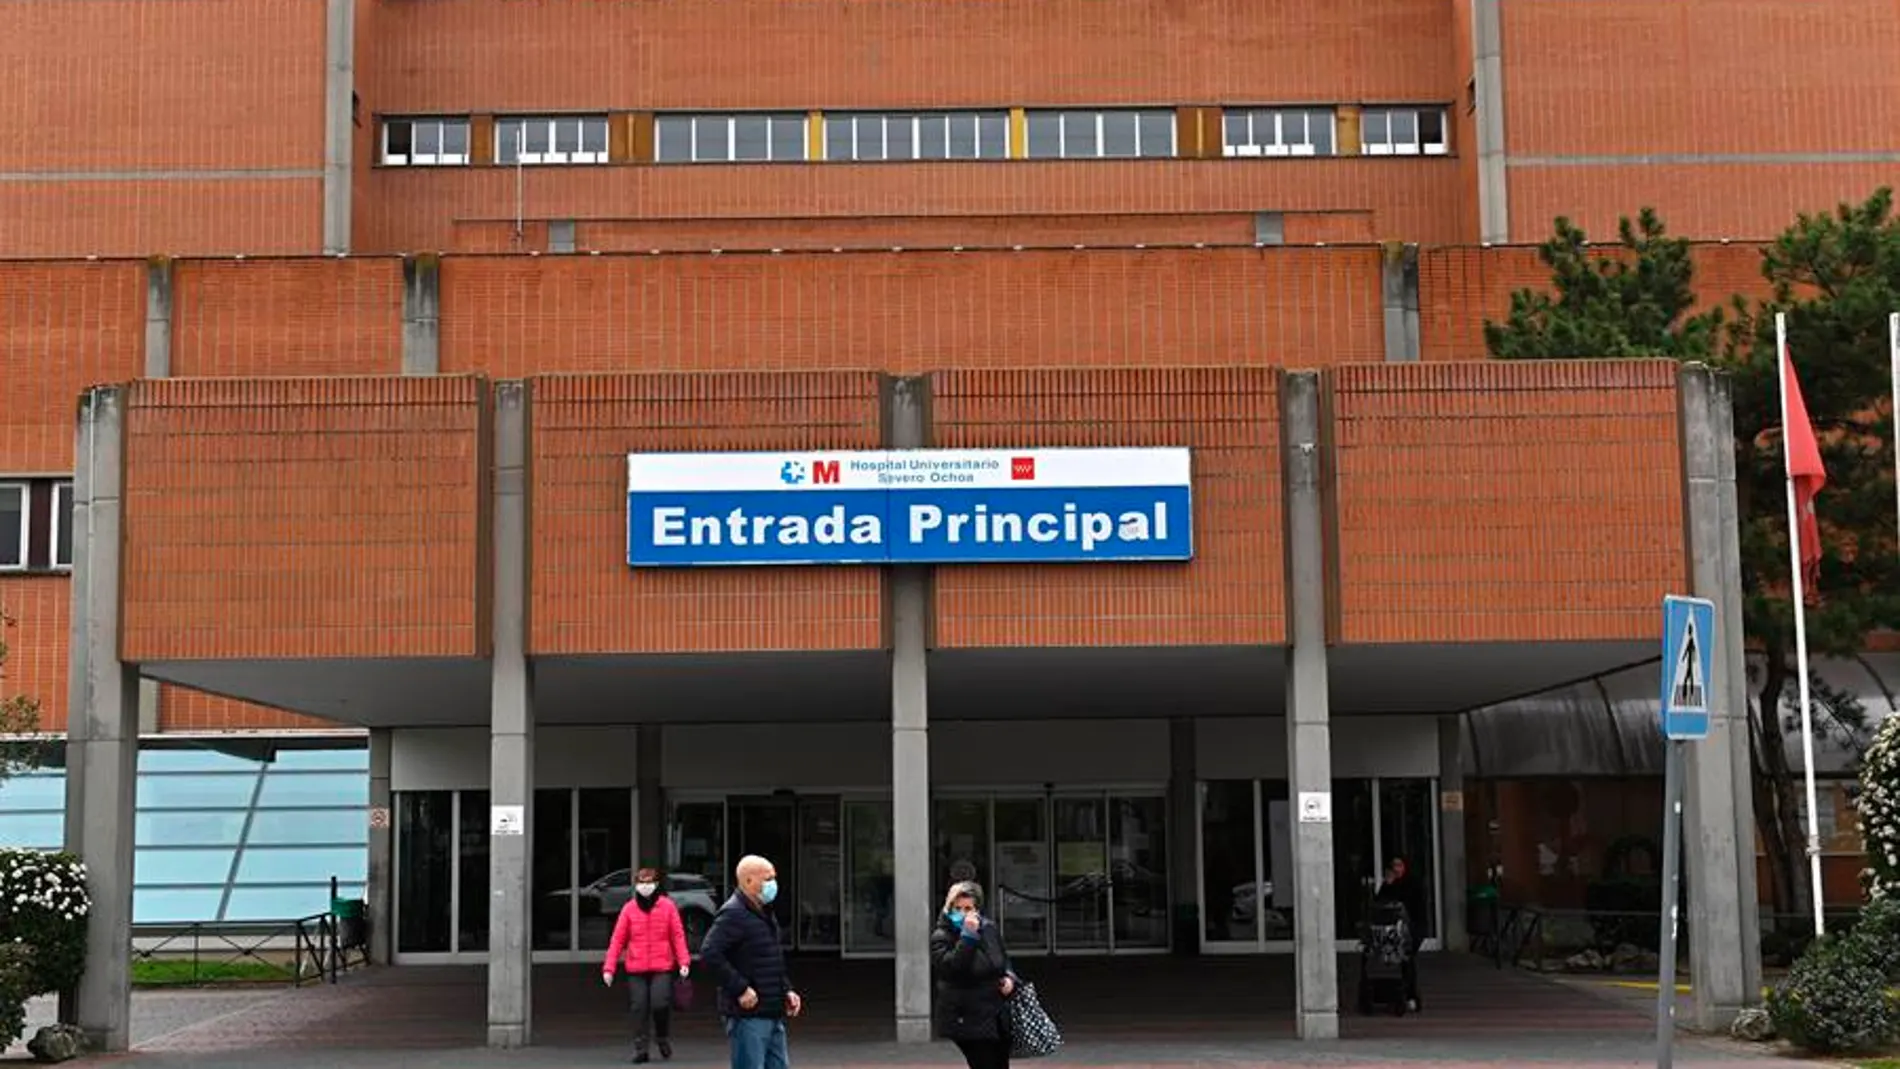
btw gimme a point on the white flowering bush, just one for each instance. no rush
(44, 906)
(1879, 808)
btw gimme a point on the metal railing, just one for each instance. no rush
(1530, 936)
(315, 949)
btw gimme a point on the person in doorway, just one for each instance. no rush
(649, 942)
(1403, 888)
(744, 954)
(971, 966)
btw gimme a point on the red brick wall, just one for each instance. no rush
(41, 608)
(145, 117)
(63, 327)
(1712, 78)
(585, 597)
(302, 518)
(911, 312)
(1489, 502)
(1233, 591)
(236, 318)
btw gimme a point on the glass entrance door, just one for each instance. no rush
(869, 877)
(821, 872)
(768, 827)
(1082, 873)
(1246, 839)
(1021, 891)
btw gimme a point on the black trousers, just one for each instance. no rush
(650, 994)
(985, 1053)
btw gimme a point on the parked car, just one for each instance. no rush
(696, 896)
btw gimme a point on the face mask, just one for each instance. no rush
(645, 890)
(768, 891)
(955, 917)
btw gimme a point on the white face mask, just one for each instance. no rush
(644, 889)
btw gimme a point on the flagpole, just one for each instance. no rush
(1893, 350)
(1782, 365)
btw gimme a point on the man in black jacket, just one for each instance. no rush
(743, 954)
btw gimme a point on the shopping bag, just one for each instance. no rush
(1031, 1032)
(682, 994)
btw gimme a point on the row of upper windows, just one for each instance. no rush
(36, 524)
(1132, 133)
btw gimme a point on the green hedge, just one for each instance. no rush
(43, 911)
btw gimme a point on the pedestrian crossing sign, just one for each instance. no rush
(1687, 659)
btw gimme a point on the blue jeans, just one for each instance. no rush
(758, 1043)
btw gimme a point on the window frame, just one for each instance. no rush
(436, 159)
(57, 523)
(24, 490)
(1417, 146)
(553, 157)
(692, 121)
(1280, 147)
(846, 122)
(1099, 117)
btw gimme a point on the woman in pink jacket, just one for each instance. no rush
(650, 942)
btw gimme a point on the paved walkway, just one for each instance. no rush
(1144, 1013)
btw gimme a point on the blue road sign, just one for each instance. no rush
(1687, 659)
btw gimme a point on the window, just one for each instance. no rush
(15, 524)
(562, 139)
(1085, 135)
(1402, 131)
(425, 142)
(62, 523)
(962, 135)
(1278, 132)
(729, 138)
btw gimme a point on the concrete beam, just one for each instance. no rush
(1487, 77)
(158, 317)
(382, 847)
(339, 121)
(1399, 282)
(1452, 867)
(1308, 711)
(421, 315)
(907, 427)
(511, 735)
(1724, 939)
(103, 728)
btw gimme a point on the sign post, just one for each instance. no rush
(1687, 660)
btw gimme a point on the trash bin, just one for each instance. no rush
(1481, 910)
(352, 921)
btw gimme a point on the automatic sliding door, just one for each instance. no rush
(603, 841)
(1406, 830)
(1138, 864)
(820, 870)
(1355, 854)
(1082, 874)
(869, 877)
(1021, 893)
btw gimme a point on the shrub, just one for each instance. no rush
(1834, 1001)
(16, 983)
(1877, 936)
(44, 905)
(1879, 807)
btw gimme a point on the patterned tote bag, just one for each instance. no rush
(1031, 1033)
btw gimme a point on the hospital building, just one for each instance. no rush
(467, 449)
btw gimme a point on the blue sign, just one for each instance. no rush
(921, 506)
(1688, 658)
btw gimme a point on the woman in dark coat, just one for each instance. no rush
(971, 966)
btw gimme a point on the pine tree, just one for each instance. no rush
(1837, 276)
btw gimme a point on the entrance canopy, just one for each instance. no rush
(965, 684)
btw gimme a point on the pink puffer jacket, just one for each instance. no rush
(648, 940)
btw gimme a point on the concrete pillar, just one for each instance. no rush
(1724, 945)
(78, 659)
(1399, 283)
(1308, 712)
(1487, 75)
(339, 121)
(421, 315)
(1452, 869)
(103, 728)
(382, 846)
(649, 749)
(159, 277)
(511, 735)
(907, 427)
(1184, 855)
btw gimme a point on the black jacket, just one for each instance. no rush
(743, 950)
(969, 974)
